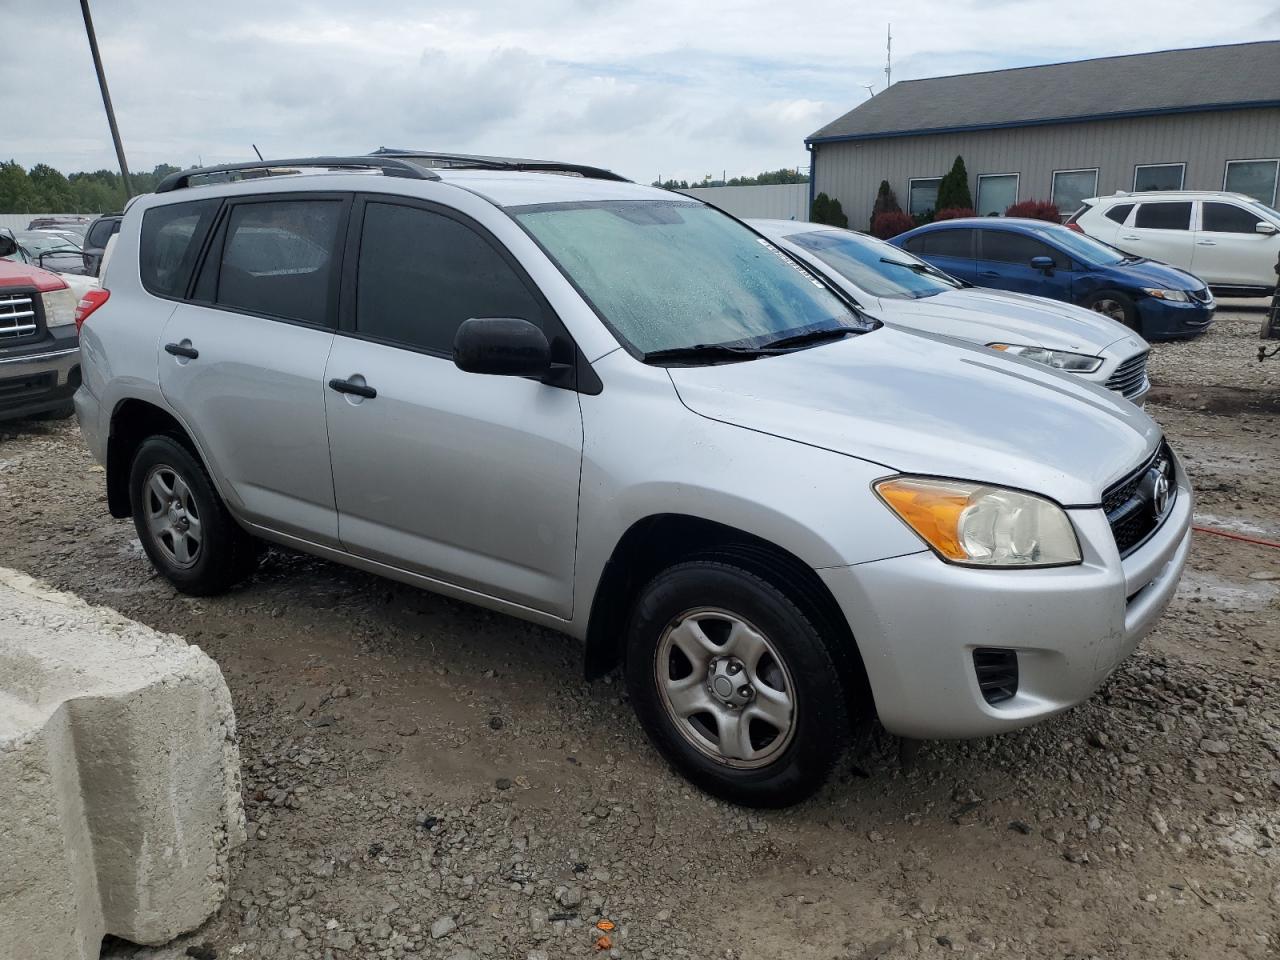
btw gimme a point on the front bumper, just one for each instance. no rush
(918, 620)
(1167, 320)
(39, 378)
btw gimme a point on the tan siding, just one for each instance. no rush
(852, 171)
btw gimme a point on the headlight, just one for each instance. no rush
(1176, 296)
(59, 307)
(1058, 359)
(977, 525)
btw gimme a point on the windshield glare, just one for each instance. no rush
(670, 274)
(880, 269)
(1085, 247)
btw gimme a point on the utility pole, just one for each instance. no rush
(888, 58)
(106, 97)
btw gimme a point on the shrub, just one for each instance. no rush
(886, 201)
(1036, 210)
(954, 213)
(836, 215)
(892, 223)
(953, 191)
(820, 209)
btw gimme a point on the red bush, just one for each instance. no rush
(954, 213)
(1035, 210)
(886, 225)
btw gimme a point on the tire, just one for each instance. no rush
(60, 413)
(195, 544)
(1116, 305)
(782, 754)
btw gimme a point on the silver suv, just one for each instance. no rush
(620, 413)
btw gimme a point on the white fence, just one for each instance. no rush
(777, 201)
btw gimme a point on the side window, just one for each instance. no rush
(1007, 247)
(170, 242)
(421, 274)
(102, 232)
(279, 258)
(1228, 218)
(1164, 216)
(946, 243)
(1120, 212)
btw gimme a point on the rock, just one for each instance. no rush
(1158, 822)
(443, 927)
(1021, 826)
(407, 728)
(1097, 738)
(1215, 746)
(503, 783)
(1265, 575)
(569, 896)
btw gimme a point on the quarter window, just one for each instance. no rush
(1158, 176)
(923, 197)
(1071, 188)
(279, 258)
(1120, 212)
(1164, 216)
(421, 274)
(1254, 178)
(1228, 218)
(170, 242)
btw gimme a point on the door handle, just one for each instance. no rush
(181, 350)
(1206, 243)
(1130, 237)
(988, 273)
(357, 389)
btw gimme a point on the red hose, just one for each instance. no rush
(1235, 536)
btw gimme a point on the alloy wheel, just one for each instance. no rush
(173, 519)
(1110, 308)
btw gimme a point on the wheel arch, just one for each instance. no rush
(132, 421)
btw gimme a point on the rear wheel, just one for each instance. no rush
(1116, 305)
(183, 524)
(734, 684)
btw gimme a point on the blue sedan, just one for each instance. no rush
(1033, 256)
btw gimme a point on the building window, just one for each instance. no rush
(1158, 176)
(923, 196)
(1071, 188)
(997, 192)
(1254, 178)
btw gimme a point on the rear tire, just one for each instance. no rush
(734, 684)
(184, 526)
(1116, 305)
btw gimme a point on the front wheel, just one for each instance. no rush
(734, 684)
(1116, 305)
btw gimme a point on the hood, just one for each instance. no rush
(1153, 273)
(917, 403)
(989, 316)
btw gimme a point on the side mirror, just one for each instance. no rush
(8, 245)
(503, 347)
(1042, 263)
(1263, 227)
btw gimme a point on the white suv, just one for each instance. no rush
(620, 413)
(1228, 240)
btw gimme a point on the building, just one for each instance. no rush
(1200, 119)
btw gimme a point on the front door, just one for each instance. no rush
(1229, 249)
(1004, 262)
(463, 478)
(244, 366)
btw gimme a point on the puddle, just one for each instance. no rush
(1227, 594)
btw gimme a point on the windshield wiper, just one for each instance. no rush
(809, 336)
(704, 351)
(917, 267)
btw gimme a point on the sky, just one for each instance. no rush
(649, 89)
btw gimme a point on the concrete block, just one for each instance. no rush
(119, 778)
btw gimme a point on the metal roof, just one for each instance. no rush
(1168, 81)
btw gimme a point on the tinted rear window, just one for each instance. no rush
(943, 243)
(101, 232)
(1120, 212)
(1164, 216)
(171, 239)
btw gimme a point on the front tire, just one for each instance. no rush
(183, 524)
(1118, 306)
(734, 684)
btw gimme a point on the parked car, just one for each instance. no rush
(1033, 256)
(95, 241)
(903, 290)
(620, 413)
(72, 221)
(1229, 240)
(39, 348)
(52, 251)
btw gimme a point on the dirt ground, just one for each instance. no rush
(429, 780)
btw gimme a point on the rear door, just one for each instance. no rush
(950, 250)
(467, 479)
(1004, 262)
(1229, 249)
(1105, 224)
(1160, 230)
(242, 359)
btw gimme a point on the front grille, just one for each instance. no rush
(1202, 295)
(1130, 378)
(18, 314)
(1131, 505)
(997, 672)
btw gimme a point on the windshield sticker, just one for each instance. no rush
(791, 263)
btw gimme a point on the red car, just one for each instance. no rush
(39, 341)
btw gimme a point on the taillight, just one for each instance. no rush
(90, 302)
(1074, 226)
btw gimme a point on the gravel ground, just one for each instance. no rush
(425, 779)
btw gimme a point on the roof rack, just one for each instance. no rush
(391, 166)
(468, 161)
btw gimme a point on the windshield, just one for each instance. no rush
(878, 268)
(666, 275)
(38, 243)
(1085, 248)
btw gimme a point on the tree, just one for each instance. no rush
(16, 193)
(820, 209)
(886, 202)
(954, 213)
(953, 191)
(836, 215)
